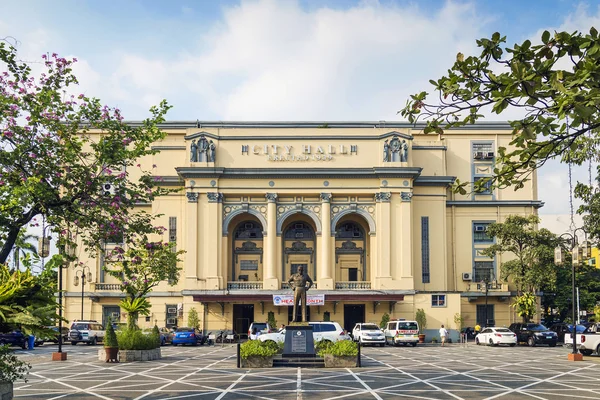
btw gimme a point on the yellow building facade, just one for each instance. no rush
(366, 209)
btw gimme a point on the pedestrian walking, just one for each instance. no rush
(443, 335)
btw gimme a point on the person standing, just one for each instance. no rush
(443, 335)
(477, 329)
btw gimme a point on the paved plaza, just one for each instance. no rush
(209, 372)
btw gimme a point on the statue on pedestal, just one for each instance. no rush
(298, 284)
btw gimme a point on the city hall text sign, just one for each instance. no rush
(305, 152)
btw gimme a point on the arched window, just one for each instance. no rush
(350, 230)
(299, 231)
(248, 230)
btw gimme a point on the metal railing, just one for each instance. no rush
(107, 286)
(353, 285)
(243, 285)
(492, 287)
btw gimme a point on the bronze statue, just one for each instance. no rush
(298, 284)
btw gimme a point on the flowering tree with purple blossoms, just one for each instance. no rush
(58, 153)
(141, 267)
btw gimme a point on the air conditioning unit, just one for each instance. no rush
(171, 321)
(466, 276)
(478, 155)
(171, 310)
(489, 154)
(108, 189)
(115, 315)
(479, 228)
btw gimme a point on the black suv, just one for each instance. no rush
(534, 334)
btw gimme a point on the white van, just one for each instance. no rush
(402, 332)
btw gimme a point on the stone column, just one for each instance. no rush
(383, 275)
(325, 280)
(270, 280)
(214, 280)
(191, 238)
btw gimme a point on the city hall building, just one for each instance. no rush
(365, 207)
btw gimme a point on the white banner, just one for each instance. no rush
(288, 299)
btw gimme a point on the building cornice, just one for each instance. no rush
(306, 173)
(496, 203)
(434, 180)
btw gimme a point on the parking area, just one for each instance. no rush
(209, 372)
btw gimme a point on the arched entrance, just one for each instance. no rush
(351, 253)
(246, 253)
(299, 243)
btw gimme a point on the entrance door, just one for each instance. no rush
(353, 314)
(110, 314)
(481, 315)
(243, 316)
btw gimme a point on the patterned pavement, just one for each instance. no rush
(428, 372)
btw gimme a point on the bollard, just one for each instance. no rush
(238, 356)
(358, 361)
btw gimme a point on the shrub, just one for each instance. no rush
(193, 321)
(11, 368)
(340, 348)
(256, 348)
(135, 339)
(110, 338)
(421, 319)
(156, 335)
(271, 320)
(322, 345)
(385, 318)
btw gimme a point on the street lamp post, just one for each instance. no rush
(85, 274)
(576, 258)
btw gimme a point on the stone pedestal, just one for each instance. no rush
(299, 342)
(56, 356)
(6, 390)
(575, 357)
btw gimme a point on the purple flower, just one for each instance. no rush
(125, 283)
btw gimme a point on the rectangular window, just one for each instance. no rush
(480, 233)
(173, 231)
(101, 262)
(425, 249)
(483, 270)
(249, 265)
(438, 300)
(483, 151)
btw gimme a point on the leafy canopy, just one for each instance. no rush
(555, 82)
(52, 166)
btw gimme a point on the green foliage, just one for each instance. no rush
(458, 321)
(193, 321)
(253, 348)
(156, 335)
(26, 302)
(421, 319)
(271, 320)
(434, 340)
(385, 318)
(525, 306)
(135, 339)
(533, 268)
(340, 348)
(53, 166)
(554, 81)
(110, 338)
(322, 345)
(11, 368)
(134, 308)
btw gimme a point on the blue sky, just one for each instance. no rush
(280, 60)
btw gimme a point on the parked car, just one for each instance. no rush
(257, 327)
(561, 329)
(89, 332)
(168, 334)
(14, 338)
(402, 332)
(587, 342)
(326, 330)
(54, 338)
(495, 336)
(368, 333)
(534, 334)
(187, 336)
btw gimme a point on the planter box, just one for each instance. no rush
(132, 355)
(257, 362)
(56, 356)
(332, 361)
(6, 390)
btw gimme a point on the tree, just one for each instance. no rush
(193, 321)
(532, 269)
(51, 167)
(141, 267)
(561, 105)
(525, 306)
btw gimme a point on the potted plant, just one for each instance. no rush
(257, 354)
(341, 354)
(422, 321)
(111, 345)
(11, 369)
